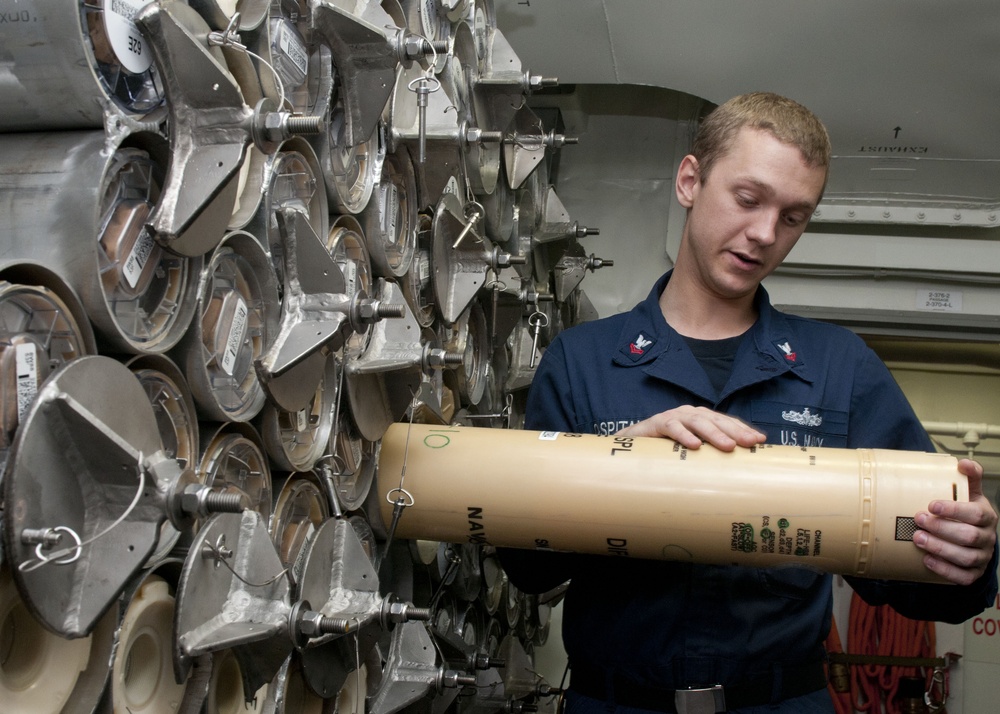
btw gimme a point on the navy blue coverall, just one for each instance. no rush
(674, 625)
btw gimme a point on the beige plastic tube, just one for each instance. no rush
(836, 510)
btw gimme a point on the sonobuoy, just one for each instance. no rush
(847, 511)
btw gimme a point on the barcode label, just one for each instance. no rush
(236, 335)
(293, 48)
(26, 363)
(137, 258)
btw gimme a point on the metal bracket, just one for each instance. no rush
(209, 130)
(317, 316)
(339, 579)
(75, 465)
(210, 126)
(367, 48)
(233, 593)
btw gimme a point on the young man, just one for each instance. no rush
(706, 358)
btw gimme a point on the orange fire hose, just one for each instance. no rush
(882, 631)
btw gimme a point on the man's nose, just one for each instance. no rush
(763, 228)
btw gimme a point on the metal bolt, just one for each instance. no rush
(595, 263)
(224, 502)
(270, 126)
(583, 231)
(407, 612)
(201, 500)
(296, 125)
(481, 660)
(314, 624)
(537, 81)
(47, 537)
(369, 311)
(452, 679)
(438, 358)
(385, 310)
(279, 126)
(219, 552)
(337, 625)
(414, 46)
(474, 135)
(308, 623)
(500, 259)
(554, 141)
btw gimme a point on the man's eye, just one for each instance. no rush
(745, 200)
(792, 219)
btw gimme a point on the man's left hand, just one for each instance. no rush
(959, 538)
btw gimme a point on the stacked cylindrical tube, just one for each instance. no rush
(252, 208)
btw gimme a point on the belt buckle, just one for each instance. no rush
(707, 700)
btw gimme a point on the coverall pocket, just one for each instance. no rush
(792, 581)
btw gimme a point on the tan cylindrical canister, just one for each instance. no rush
(837, 510)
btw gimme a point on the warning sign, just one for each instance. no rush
(982, 635)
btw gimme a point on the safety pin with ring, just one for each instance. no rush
(538, 320)
(400, 501)
(43, 559)
(473, 212)
(432, 84)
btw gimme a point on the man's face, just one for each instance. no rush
(749, 212)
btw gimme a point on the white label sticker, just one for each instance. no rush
(451, 187)
(293, 47)
(480, 33)
(137, 258)
(126, 40)
(236, 334)
(350, 269)
(26, 363)
(428, 18)
(939, 300)
(548, 436)
(389, 208)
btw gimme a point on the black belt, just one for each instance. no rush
(795, 681)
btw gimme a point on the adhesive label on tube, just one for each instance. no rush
(127, 42)
(294, 49)
(137, 258)
(388, 206)
(26, 363)
(236, 334)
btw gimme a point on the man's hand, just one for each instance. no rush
(690, 426)
(959, 537)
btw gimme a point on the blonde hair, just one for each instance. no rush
(785, 119)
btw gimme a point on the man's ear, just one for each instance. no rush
(688, 181)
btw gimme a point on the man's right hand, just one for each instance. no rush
(690, 426)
